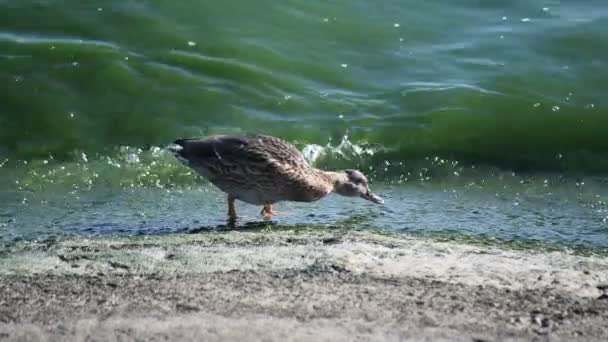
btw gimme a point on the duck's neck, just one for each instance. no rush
(331, 178)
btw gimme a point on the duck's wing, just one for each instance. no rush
(280, 151)
(255, 153)
(197, 151)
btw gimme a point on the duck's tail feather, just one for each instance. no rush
(194, 150)
(178, 147)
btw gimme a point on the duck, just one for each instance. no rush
(264, 170)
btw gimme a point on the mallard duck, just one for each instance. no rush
(264, 170)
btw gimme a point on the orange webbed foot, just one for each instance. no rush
(267, 212)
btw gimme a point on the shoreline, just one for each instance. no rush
(299, 285)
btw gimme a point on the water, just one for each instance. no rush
(484, 118)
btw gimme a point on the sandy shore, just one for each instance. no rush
(298, 286)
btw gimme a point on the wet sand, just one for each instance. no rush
(298, 286)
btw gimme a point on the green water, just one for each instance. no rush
(472, 117)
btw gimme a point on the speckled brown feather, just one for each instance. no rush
(256, 169)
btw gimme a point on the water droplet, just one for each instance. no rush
(555, 108)
(396, 24)
(52, 47)
(545, 9)
(456, 174)
(127, 58)
(71, 115)
(504, 18)
(537, 104)
(287, 97)
(525, 20)
(75, 64)
(502, 37)
(559, 156)
(341, 116)
(344, 65)
(99, 9)
(400, 39)
(591, 105)
(191, 43)
(326, 20)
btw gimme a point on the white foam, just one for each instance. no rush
(345, 149)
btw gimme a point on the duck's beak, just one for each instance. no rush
(372, 197)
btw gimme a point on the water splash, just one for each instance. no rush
(346, 150)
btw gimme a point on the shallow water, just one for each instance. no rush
(490, 203)
(485, 119)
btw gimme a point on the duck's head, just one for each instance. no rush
(353, 183)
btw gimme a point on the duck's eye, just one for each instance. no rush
(361, 180)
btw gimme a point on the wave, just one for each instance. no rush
(156, 167)
(499, 92)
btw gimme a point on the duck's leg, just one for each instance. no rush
(231, 210)
(267, 211)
